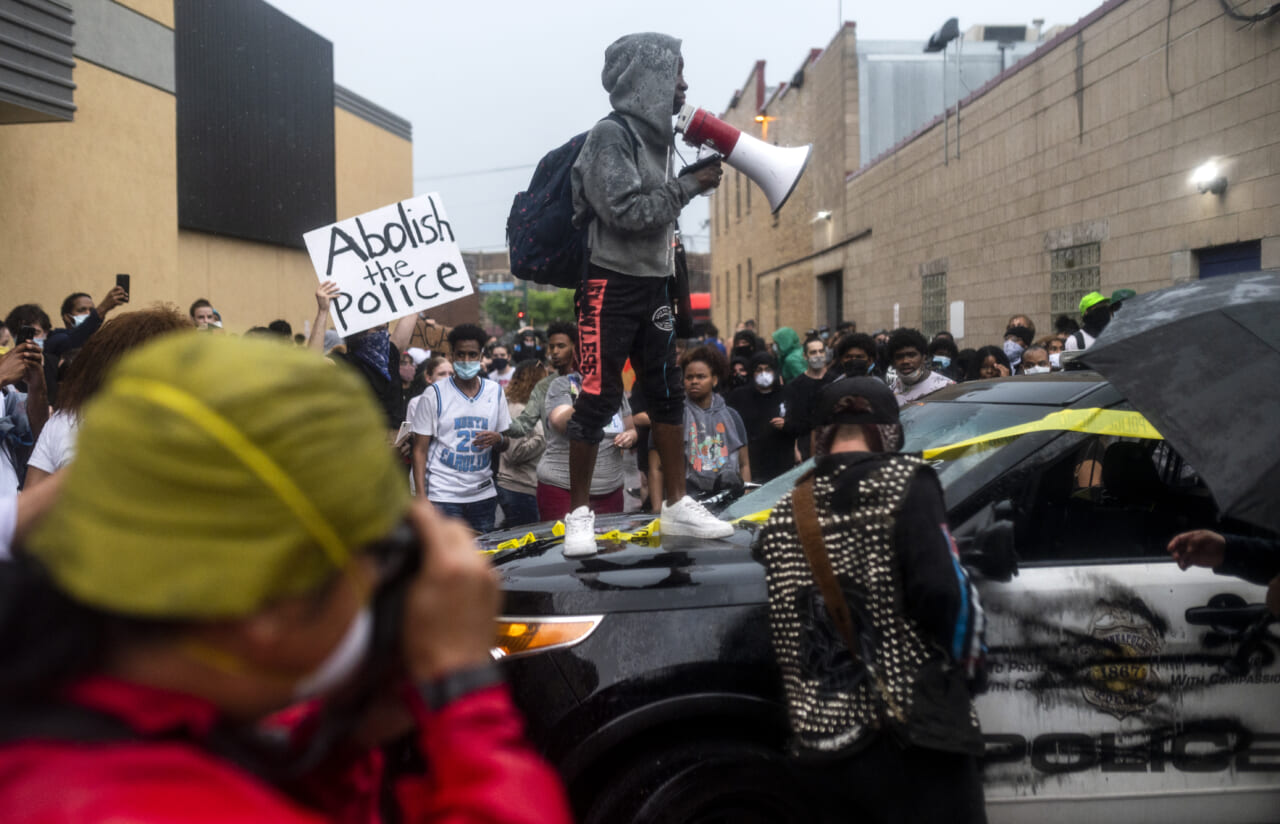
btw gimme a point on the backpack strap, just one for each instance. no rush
(1078, 337)
(617, 117)
(809, 530)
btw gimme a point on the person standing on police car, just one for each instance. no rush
(892, 731)
(626, 194)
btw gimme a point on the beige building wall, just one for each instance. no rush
(160, 11)
(746, 236)
(81, 201)
(1094, 139)
(374, 166)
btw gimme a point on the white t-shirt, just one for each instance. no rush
(910, 393)
(457, 471)
(1072, 344)
(503, 378)
(8, 524)
(56, 445)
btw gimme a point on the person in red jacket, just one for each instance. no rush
(233, 605)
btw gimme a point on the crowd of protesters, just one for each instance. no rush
(748, 407)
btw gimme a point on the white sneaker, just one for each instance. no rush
(580, 533)
(688, 517)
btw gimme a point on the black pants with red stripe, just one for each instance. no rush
(621, 317)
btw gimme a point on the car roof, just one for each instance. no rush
(1052, 389)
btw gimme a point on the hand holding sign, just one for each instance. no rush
(389, 263)
(325, 294)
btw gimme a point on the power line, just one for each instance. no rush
(476, 172)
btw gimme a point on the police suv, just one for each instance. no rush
(1120, 688)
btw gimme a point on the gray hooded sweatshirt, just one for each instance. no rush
(630, 195)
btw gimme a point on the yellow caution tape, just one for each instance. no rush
(643, 534)
(1091, 421)
(1123, 424)
(755, 517)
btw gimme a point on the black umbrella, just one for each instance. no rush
(1202, 362)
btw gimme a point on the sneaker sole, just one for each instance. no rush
(694, 532)
(582, 553)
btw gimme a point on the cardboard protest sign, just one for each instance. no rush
(389, 263)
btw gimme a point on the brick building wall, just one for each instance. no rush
(1090, 141)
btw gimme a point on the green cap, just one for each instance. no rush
(1120, 295)
(216, 474)
(1091, 300)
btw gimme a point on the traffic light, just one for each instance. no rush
(520, 316)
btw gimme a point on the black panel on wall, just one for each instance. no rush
(255, 122)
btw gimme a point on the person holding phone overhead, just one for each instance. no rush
(80, 318)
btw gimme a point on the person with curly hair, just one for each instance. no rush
(914, 377)
(56, 445)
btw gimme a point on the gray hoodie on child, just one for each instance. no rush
(628, 192)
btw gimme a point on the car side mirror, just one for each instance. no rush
(986, 542)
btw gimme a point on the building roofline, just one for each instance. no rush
(1044, 49)
(371, 112)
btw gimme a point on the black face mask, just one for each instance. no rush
(856, 368)
(499, 364)
(1095, 320)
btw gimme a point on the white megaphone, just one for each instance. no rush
(775, 169)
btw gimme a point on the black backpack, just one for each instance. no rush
(544, 244)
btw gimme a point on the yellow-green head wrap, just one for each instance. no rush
(214, 475)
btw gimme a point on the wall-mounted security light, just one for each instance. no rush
(1209, 177)
(821, 216)
(764, 120)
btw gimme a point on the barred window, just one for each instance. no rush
(934, 303)
(1073, 273)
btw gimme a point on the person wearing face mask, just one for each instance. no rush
(802, 393)
(1095, 313)
(745, 344)
(762, 405)
(739, 374)
(500, 368)
(1035, 361)
(856, 356)
(457, 427)
(80, 319)
(790, 353)
(914, 378)
(374, 353)
(148, 678)
(944, 356)
(1016, 341)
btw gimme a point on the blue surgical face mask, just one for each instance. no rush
(466, 369)
(941, 361)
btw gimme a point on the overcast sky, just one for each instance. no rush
(495, 84)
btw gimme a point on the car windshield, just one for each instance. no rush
(926, 426)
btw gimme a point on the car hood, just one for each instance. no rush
(671, 572)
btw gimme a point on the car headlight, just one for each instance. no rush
(525, 636)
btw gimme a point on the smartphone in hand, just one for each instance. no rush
(123, 282)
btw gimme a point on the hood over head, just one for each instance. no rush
(748, 336)
(640, 76)
(787, 340)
